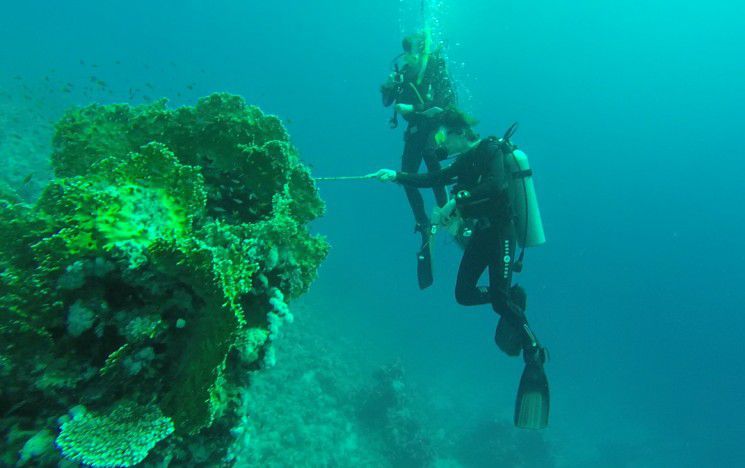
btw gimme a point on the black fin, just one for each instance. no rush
(533, 398)
(424, 267)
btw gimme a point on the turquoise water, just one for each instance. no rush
(632, 114)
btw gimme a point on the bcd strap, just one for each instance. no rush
(522, 174)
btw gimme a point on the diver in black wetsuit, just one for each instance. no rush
(480, 184)
(420, 91)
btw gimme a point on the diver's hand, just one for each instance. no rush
(404, 109)
(432, 112)
(441, 215)
(383, 175)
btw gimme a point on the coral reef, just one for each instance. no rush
(147, 281)
(386, 411)
(328, 402)
(301, 412)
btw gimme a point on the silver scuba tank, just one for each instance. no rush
(524, 200)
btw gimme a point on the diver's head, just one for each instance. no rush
(413, 46)
(453, 141)
(455, 134)
(413, 43)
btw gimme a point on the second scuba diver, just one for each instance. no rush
(420, 90)
(481, 174)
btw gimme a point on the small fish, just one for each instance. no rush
(149, 86)
(190, 86)
(28, 178)
(82, 62)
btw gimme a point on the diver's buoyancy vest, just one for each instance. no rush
(523, 201)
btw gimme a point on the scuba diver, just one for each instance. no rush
(420, 90)
(492, 191)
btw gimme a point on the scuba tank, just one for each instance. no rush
(524, 200)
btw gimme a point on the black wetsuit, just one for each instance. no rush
(435, 90)
(481, 171)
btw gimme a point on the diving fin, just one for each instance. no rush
(424, 257)
(532, 404)
(508, 335)
(424, 267)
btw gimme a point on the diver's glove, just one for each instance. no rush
(442, 215)
(392, 88)
(404, 109)
(383, 175)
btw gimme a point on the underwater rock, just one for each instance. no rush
(149, 280)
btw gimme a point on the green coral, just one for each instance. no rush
(149, 276)
(202, 349)
(122, 437)
(85, 136)
(125, 204)
(244, 155)
(250, 343)
(7, 193)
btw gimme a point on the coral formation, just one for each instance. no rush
(147, 281)
(123, 437)
(349, 410)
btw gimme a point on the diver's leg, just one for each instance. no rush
(433, 164)
(501, 259)
(475, 260)
(410, 162)
(508, 301)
